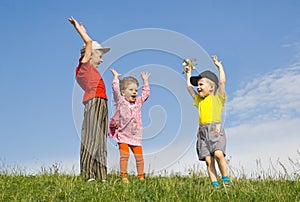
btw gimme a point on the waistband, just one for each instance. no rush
(209, 124)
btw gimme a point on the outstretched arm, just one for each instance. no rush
(222, 76)
(145, 88)
(115, 85)
(85, 37)
(189, 86)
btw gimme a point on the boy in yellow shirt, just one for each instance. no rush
(210, 99)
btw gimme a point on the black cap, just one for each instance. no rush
(206, 74)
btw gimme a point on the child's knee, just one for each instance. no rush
(209, 161)
(219, 155)
(124, 155)
(139, 158)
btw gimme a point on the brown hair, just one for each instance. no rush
(126, 81)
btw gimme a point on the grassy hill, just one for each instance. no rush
(59, 187)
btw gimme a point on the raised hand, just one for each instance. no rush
(72, 21)
(187, 69)
(115, 73)
(217, 63)
(145, 77)
(76, 24)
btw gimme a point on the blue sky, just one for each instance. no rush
(258, 42)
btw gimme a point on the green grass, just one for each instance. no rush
(60, 187)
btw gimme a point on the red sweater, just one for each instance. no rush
(90, 81)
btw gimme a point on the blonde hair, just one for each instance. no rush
(212, 87)
(126, 81)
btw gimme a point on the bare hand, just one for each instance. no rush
(72, 21)
(215, 59)
(115, 73)
(76, 24)
(145, 76)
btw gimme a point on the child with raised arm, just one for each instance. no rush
(210, 99)
(125, 125)
(93, 150)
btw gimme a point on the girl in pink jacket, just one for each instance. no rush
(125, 125)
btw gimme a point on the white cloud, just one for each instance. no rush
(274, 141)
(266, 133)
(275, 96)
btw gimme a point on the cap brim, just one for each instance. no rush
(104, 50)
(194, 80)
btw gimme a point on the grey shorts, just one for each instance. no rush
(210, 138)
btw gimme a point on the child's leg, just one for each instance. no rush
(210, 163)
(138, 154)
(219, 155)
(124, 156)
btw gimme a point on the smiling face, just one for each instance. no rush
(130, 92)
(129, 88)
(205, 87)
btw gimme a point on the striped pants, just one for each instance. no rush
(93, 151)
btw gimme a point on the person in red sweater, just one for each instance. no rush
(93, 150)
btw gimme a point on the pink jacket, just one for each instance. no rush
(125, 125)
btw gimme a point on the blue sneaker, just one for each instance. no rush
(215, 184)
(226, 181)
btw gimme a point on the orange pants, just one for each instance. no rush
(124, 156)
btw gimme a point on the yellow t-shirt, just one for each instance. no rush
(210, 108)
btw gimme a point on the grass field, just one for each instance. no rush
(51, 186)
